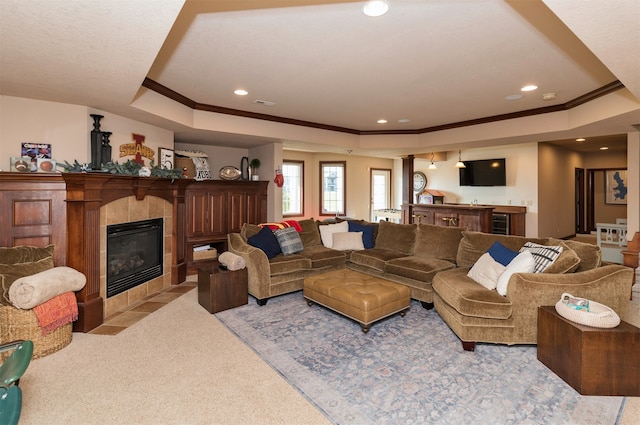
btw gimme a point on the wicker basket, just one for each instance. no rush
(598, 316)
(184, 162)
(23, 324)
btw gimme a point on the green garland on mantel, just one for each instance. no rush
(129, 168)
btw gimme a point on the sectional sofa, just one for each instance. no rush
(434, 262)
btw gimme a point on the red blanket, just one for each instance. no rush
(56, 312)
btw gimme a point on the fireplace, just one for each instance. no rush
(134, 254)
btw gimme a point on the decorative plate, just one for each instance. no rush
(229, 173)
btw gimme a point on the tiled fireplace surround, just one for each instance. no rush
(95, 200)
(126, 210)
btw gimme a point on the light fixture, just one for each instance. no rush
(241, 92)
(581, 139)
(432, 166)
(382, 121)
(604, 148)
(460, 164)
(530, 87)
(375, 8)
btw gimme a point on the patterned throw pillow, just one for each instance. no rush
(289, 240)
(543, 255)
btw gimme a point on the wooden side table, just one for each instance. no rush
(594, 361)
(220, 290)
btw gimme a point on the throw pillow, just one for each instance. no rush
(282, 225)
(345, 241)
(367, 233)
(501, 253)
(266, 241)
(289, 240)
(327, 230)
(13, 272)
(542, 254)
(486, 271)
(523, 263)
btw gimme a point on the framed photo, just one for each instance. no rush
(46, 165)
(166, 158)
(21, 164)
(615, 187)
(35, 151)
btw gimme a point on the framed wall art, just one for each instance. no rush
(166, 158)
(615, 187)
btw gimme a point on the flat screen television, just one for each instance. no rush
(484, 172)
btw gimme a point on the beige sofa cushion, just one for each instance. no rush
(417, 268)
(283, 264)
(468, 297)
(320, 256)
(310, 235)
(590, 255)
(396, 237)
(437, 242)
(374, 258)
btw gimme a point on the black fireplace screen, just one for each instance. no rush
(134, 254)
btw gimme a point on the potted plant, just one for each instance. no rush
(254, 164)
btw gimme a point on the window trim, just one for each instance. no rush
(301, 164)
(321, 166)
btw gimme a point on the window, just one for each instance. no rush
(292, 190)
(333, 188)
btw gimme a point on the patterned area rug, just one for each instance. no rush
(409, 370)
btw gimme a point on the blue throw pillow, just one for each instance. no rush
(367, 233)
(501, 253)
(266, 241)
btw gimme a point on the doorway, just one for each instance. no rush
(380, 184)
(581, 226)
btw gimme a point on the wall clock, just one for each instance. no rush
(419, 181)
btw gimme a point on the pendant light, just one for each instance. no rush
(460, 164)
(432, 166)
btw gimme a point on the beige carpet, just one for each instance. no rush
(179, 365)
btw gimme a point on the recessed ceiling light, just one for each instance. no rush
(241, 92)
(581, 139)
(548, 96)
(382, 121)
(514, 97)
(375, 8)
(530, 87)
(404, 120)
(604, 148)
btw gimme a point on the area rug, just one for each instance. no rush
(409, 370)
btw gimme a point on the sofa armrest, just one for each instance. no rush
(608, 285)
(258, 268)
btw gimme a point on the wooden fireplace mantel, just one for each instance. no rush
(86, 193)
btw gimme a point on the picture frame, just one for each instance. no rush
(46, 165)
(615, 187)
(20, 164)
(166, 158)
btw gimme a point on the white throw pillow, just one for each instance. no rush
(344, 241)
(327, 231)
(486, 271)
(543, 255)
(523, 263)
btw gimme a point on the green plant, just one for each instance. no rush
(129, 168)
(254, 164)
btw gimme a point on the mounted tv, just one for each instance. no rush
(484, 172)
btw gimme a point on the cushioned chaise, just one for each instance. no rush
(363, 298)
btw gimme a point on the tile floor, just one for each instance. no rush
(121, 320)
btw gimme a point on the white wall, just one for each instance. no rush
(68, 129)
(522, 179)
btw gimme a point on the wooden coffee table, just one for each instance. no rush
(594, 361)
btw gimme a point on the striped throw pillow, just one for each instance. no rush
(543, 255)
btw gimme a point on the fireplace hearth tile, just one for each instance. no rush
(148, 307)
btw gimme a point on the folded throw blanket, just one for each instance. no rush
(29, 291)
(56, 312)
(232, 261)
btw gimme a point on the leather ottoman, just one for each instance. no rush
(356, 295)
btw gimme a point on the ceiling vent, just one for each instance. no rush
(264, 102)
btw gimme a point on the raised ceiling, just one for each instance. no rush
(428, 63)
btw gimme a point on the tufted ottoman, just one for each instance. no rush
(359, 296)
